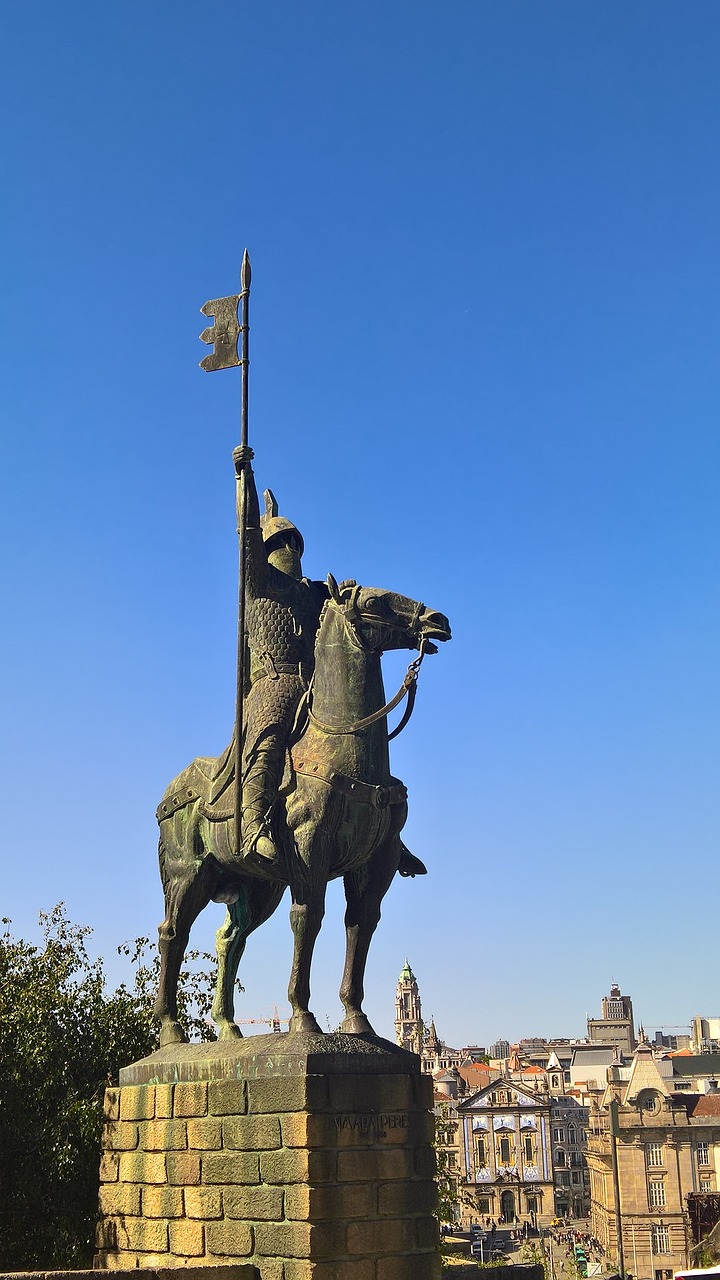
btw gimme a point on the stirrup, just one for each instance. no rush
(260, 849)
(409, 865)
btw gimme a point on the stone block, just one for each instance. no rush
(121, 1136)
(425, 1162)
(183, 1168)
(300, 1129)
(227, 1098)
(111, 1104)
(251, 1133)
(229, 1239)
(187, 1239)
(427, 1235)
(401, 1199)
(162, 1202)
(371, 1093)
(418, 1266)
(232, 1167)
(120, 1198)
(274, 1269)
(163, 1101)
(383, 1128)
(393, 1235)
(203, 1202)
(190, 1099)
(163, 1135)
(142, 1166)
(254, 1203)
(287, 1093)
(106, 1234)
(109, 1166)
(204, 1135)
(320, 1204)
(300, 1239)
(355, 1269)
(423, 1086)
(296, 1165)
(384, 1165)
(146, 1234)
(137, 1102)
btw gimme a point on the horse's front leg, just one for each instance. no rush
(364, 892)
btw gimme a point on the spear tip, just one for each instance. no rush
(245, 271)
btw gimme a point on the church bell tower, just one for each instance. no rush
(408, 1012)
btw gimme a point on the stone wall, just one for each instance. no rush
(326, 1175)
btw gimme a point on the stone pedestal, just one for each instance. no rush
(304, 1155)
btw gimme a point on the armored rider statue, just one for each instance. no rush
(282, 614)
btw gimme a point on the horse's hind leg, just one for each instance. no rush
(364, 892)
(187, 892)
(255, 903)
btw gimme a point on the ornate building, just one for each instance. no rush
(408, 1012)
(506, 1153)
(653, 1149)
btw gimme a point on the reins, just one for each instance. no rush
(407, 688)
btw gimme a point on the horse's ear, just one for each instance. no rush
(332, 587)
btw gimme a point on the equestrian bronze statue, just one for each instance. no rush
(303, 794)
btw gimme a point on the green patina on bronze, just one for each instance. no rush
(317, 799)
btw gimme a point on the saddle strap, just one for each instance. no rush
(377, 796)
(179, 800)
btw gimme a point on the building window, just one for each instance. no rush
(483, 1205)
(571, 1135)
(653, 1154)
(505, 1151)
(558, 1135)
(560, 1159)
(705, 1187)
(532, 1204)
(529, 1150)
(451, 1159)
(660, 1238)
(703, 1153)
(480, 1152)
(576, 1178)
(656, 1193)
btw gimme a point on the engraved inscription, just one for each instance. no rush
(370, 1124)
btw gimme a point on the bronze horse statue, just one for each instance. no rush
(339, 813)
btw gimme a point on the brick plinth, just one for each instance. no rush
(302, 1155)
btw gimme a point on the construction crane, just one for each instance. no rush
(274, 1021)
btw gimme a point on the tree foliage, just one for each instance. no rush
(63, 1038)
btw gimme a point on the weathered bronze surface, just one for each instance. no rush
(314, 795)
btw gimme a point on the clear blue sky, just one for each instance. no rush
(486, 320)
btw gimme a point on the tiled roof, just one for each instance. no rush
(708, 1104)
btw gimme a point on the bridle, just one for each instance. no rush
(351, 616)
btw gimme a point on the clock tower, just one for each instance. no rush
(408, 1012)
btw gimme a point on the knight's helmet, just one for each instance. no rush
(272, 524)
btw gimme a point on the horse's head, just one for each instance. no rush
(381, 620)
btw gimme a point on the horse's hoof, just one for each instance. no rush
(229, 1031)
(172, 1033)
(356, 1025)
(305, 1022)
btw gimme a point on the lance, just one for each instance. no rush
(241, 502)
(224, 337)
